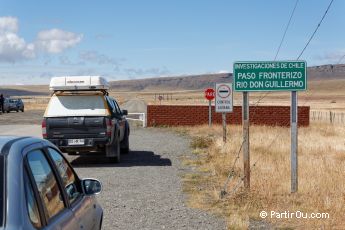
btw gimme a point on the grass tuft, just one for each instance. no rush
(201, 142)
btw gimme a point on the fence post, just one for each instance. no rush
(144, 120)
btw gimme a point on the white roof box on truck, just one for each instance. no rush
(73, 83)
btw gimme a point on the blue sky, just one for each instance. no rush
(138, 39)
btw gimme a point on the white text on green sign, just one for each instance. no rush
(270, 76)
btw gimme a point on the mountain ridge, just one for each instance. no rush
(173, 83)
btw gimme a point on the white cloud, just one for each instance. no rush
(151, 71)
(56, 40)
(8, 24)
(14, 48)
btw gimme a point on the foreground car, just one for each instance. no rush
(39, 189)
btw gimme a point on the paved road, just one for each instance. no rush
(144, 190)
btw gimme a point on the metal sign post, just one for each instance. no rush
(224, 126)
(246, 154)
(160, 98)
(294, 142)
(209, 95)
(224, 102)
(210, 113)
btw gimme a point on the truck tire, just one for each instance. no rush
(125, 141)
(114, 151)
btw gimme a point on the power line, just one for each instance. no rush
(342, 57)
(317, 27)
(286, 29)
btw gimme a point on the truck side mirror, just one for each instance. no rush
(125, 112)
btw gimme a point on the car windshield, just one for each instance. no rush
(2, 181)
(13, 101)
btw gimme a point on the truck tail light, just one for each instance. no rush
(44, 128)
(109, 126)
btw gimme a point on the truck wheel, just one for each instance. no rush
(114, 151)
(125, 142)
(118, 150)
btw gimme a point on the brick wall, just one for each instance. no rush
(175, 115)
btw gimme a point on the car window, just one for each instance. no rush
(2, 186)
(31, 204)
(111, 104)
(69, 179)
(46, 183)
(114, 108)
(76, 105)
(117, 107)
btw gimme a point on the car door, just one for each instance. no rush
(83, 207)
(122, 120)
(117, 115)
(6, 104)
(50, 196)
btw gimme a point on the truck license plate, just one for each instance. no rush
(76, 142)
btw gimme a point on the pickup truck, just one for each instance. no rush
(84, 122)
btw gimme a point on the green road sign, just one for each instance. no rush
(270, 76)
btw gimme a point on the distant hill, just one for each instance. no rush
(193, 82)
(24, 90)
(190, 82)
(326, 72)
(171, 83)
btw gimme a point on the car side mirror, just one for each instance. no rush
(91, 186)
(125, 112)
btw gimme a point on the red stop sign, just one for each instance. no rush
(209, 94)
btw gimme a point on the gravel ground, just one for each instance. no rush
(28, 117)
(144, 191)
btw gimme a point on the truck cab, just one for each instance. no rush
(81, 118)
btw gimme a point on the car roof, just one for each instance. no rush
(6, 142)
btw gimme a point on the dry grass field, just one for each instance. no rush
(321, 175)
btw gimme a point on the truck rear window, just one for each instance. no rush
(2, 186)
(77, 105)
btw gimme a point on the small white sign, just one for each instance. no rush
(223, 101)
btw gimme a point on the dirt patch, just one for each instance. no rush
(33, 117)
